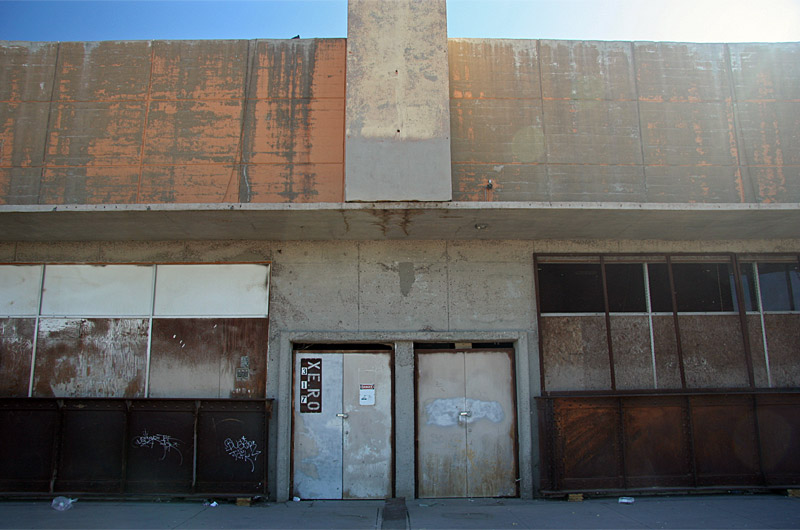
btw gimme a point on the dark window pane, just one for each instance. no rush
(703, 286)
(570, 288)
(749, 286)
(625, 283)
(660, 297)
(780, 286)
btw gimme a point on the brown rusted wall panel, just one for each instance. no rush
(209, 358)
(575, 351)
(27, 71)
(713, 351)
(633, 360)
(16, 348)
(102, 71)
(91, 357)
(783, 343)
(656, 442)
(725, 444)
(668, 374)
(779, 428)
(587, 449)
(172, 121)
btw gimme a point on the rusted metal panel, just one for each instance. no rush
(287, 69)
(575, 352)
(656, 441)
(725, 440)
(232, 447)
(783, 342)
(779, 433)
(192, 132)
(19, 185)
(102, 71)
(466, 424)
(633, 359)
(27, 70)
(16, 349)
(292, 183)
(190, 69)
(713, 351)
(497, 68)
(587, 448)
(92, 446)
(209, 357)
(89, 185)
(203, 183)
(160, 451)
(91, 357)
(681, 72)
(95, 134)
(588, 70)
(28, 431)
(22, 133)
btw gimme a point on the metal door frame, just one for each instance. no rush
(514, 402)
(343, 350)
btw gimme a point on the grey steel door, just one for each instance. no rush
(466, 424)
(342, 425)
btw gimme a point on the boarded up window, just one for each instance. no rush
(85, 330)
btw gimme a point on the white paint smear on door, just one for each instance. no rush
(445, 412)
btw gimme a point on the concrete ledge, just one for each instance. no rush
(403, 220)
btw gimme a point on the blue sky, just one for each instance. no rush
(659, 20)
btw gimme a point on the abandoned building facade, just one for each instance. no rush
(399, 264)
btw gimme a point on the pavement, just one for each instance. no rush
(695, 511)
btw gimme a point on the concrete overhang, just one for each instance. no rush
(408, 220)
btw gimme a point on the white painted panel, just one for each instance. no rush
(367, 448)
(318, 436)
(212, 290)
(97, 290)
(441, 432)
(19, 289)
(491, 469)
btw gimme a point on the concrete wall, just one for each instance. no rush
(398, 128)
(387, 291)
(172, 122)
(621, 121)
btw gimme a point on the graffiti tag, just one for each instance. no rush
(165, 441)
(243, 449)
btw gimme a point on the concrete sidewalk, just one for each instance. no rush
(725, 511)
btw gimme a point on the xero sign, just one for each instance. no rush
(310, 385)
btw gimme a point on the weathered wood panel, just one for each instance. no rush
(633, 359)
(575, 351)
(209, 358)
(91, 357)
(16, 348)
(713, 351)
(783, 343)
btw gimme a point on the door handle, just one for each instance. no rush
(341, 415)
(465, 413)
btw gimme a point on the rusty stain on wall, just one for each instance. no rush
(209, 357)
(16, 349)
(90, 357)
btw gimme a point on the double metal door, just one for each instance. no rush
(466, 424)
(342, 425)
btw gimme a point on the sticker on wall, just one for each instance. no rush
(366, 395)
(310, 385)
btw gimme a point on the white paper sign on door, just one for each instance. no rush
(366, 395)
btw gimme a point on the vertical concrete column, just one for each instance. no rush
(397, 143)
(405, 465)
